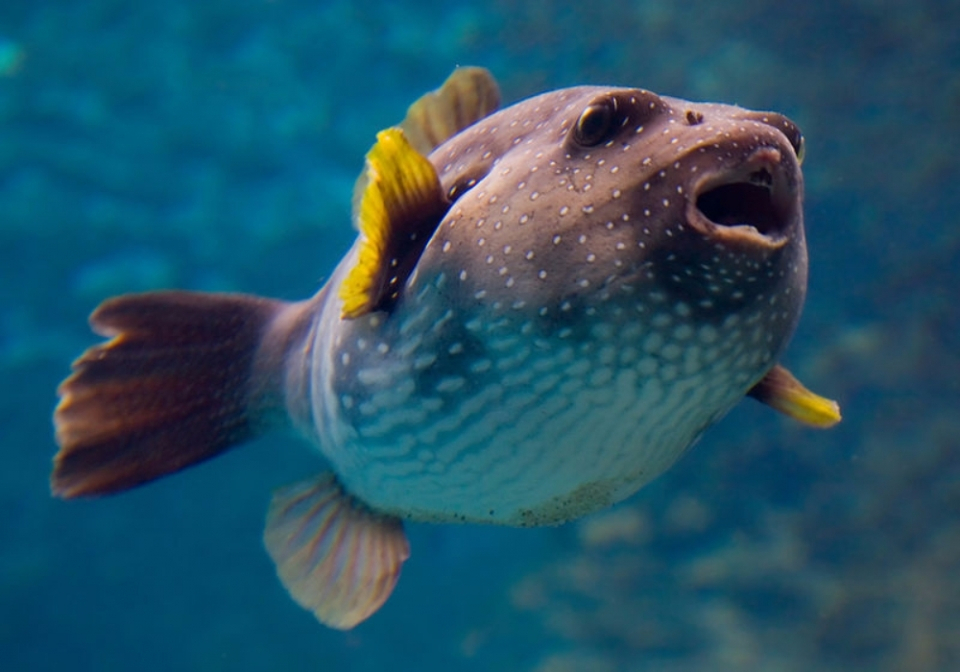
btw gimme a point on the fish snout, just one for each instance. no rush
(755, 203)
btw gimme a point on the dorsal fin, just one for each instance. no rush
(401, 204)
(468, 95)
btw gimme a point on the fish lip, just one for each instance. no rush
(769, 216)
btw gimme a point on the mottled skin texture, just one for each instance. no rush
(575, 322)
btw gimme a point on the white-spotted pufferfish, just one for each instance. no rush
(545, 307)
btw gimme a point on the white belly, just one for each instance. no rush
(527, 430)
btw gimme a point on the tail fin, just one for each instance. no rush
(178, 382)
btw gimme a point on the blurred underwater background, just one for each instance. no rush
(213, 145)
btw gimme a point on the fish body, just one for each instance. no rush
(567, 333)
(546, 306)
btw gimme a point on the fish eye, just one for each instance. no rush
(595, 123)
(795, 137)
(800, 147)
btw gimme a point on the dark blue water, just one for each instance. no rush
(213, 145)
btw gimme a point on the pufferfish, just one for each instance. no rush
(544, 308)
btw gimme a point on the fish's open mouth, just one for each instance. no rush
(751, 204)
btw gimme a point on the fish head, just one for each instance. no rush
(591, 206)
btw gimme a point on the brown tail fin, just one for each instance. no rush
(172, 387)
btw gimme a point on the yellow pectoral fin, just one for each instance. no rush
(780, 390)
(401, 204)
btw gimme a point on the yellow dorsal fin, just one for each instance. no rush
(468, 95)
(401, 204)
(780, 390)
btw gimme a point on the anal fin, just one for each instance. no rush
(336, 557)
(780, 390)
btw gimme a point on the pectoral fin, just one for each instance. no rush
(398, 200)
(780, 390)
(401, 205)
(335, 556)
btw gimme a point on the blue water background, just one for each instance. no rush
(213, 145)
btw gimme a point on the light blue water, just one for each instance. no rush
(213, 145)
